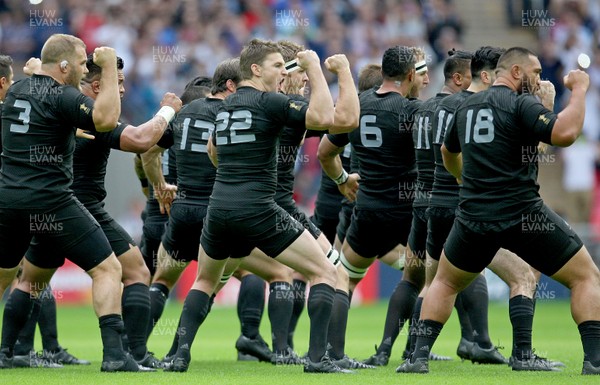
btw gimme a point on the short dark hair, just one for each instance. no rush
(201, 81)
(512, 56)
(227, 69)
(5, 63)
(192, 93)
(94, 70)
(397, 62)
(458, 61)
(485, 58)
(369, 77)
(255, 53)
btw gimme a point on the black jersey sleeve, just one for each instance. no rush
(451, 139)
(292, 112)
(167, 139)
(76, 108)
(535, 118)
(112, 138)
(339, 140)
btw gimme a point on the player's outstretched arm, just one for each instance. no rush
(452, 162)
(141, 138)
(319, 115)
(107, 107)
(347, 108)
(569, 121)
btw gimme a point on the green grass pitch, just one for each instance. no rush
(213, 354)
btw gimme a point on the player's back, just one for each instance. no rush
(192, 128)
(383, 148)
(498, 131)
(445, 187)
(38, 138)
(422, 141)
(247, 132)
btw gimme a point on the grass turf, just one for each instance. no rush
(213, 354)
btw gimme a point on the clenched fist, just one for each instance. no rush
(105, 57)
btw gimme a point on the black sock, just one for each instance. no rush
(211, 302)
(475, 302)
(16, 311)
(280, 310)
(47, 321)
(111, 328)
(400, 308)
(414, 324)
(337, 325)
(251, 304)
(407, 345)
(175, 342)
(590, 338)
(427, 332)
(466, 330)
(24, 344)
(320, 303)
(158, 297)
(136, 313)
(195, 309)
(521, 317)
(299, 293)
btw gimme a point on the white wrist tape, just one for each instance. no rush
(166, 112)
(342, 178)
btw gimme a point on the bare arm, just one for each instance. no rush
(569, 122)
(453, 163)
(141, 138)
(107, 107)
(320, 113)
(329, 157)
(163, 192)
(347, 108)
(139, 171)
(212, 152)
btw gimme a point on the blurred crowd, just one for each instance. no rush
(165, 43)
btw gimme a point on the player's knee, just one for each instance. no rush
(109, 267)
(343, 280)
(353, 271)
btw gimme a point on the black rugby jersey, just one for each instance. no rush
(422, 140)
(287, 152)
(39, 119)
(383, 146)
(445, 188)
(90, 161)
(497, 132)
(248, 126)
(191, 129)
